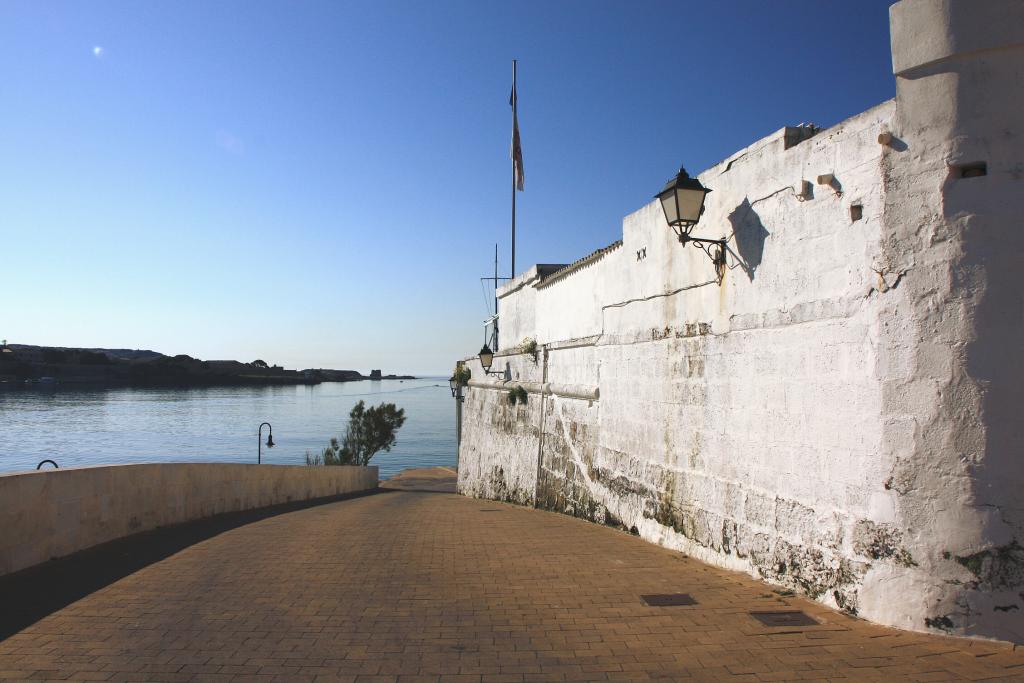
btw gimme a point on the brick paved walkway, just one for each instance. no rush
(434, 479)
(408, 586)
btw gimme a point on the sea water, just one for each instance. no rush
(78, 427)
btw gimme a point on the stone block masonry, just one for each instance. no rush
(840, 416)
(52, 513)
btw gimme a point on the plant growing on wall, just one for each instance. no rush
(462, 374)
(518, 394)
(529, 345)
(370, 430)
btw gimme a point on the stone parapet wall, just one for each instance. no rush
(52, 513)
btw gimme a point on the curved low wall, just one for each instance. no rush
(53, 513)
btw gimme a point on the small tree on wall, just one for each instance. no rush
(370, 430)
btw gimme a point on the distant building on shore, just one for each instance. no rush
(375, 374)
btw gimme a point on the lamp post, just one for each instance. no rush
(682, 200)
(259, 441)
(458, 380)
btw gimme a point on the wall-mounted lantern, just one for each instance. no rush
(682, 200)
(486, 359)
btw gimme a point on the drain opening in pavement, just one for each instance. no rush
(669, 600)
(789, 618)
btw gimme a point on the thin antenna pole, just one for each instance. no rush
(496, 293)
(515, 104)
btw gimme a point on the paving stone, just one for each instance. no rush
(409, 586)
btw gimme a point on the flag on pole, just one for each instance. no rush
(517, 151)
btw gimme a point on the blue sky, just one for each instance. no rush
(322, 183)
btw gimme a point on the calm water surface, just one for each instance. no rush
(78, 427)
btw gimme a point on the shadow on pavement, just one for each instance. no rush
(29, 595)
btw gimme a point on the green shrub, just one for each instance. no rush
(462, 374)
(370, 430)
(518, 394)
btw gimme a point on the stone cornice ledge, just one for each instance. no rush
(579, 391)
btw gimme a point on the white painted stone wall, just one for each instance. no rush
(47, 514)
(840, 416)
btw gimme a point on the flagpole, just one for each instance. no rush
(515, 104)
(495, 347)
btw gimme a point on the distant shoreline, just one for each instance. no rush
(41, 366)
(89, 384)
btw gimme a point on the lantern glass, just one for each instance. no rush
(454, 384)
(682, 200)
(486, 357)
(670, 207)
(690, 203)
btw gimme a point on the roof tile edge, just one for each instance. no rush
(576, 265)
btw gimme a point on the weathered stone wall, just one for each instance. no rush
(52, 513)
(953, 381)
(837, 417)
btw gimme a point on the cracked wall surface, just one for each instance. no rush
(839, 417)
